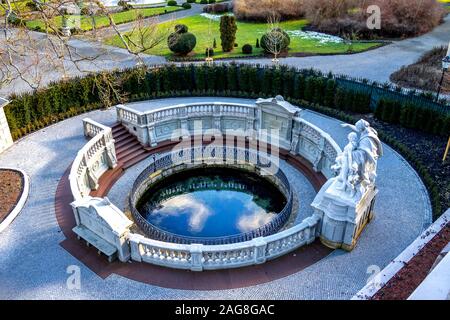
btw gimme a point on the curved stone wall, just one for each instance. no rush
(103, 221)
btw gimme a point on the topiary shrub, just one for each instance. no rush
(228, 30)
(190, 1)
(125, 5)
(280, 44)
(172, 3)
(181, 28)
(181, 41)
(186, 5)
(203, 1)
(247, 48)
(211, 1)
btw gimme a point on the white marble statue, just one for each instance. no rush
(357, 164)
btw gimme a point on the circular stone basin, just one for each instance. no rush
(211, 202)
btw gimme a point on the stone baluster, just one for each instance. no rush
(196, 257)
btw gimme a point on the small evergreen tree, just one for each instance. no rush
(228, 30)
(257, 43)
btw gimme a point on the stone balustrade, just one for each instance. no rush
(5, 134)
(304, 138)
(155, 126)
(246, 159)
(97, 156)
(198, 257)
(315, 145)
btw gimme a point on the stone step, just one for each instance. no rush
(117, 126)
(121, 135)
(135, 159)
(132, 155)
(128, 150)
(127, 141)
(127, 146)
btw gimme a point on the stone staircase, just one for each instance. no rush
(129, 150)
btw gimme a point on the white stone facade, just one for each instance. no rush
(5, 134)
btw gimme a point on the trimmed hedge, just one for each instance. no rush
(307, 88)
(32, 111)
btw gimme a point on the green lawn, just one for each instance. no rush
(103, 21)
(247, 33)
(18, 6)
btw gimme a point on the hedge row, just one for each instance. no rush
(413, 116)
(32, 111)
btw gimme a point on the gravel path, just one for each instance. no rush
(33, 265)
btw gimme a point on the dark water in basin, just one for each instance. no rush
(211, 202)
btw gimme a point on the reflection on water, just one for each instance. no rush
(211, 202)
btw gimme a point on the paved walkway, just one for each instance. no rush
(33, 265)
(377, 64)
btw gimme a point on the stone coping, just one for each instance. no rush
(3, 102)
(403, 258)
(22, 200)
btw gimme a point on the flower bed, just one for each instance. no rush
(11, 185)
(403, 284)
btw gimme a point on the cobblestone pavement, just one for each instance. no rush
(33, 265)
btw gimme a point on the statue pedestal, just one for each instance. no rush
(342, 217)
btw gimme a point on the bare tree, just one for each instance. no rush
(274, 37)
(32, 59)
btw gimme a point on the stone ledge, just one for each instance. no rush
(404, 257)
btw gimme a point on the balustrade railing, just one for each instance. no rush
(241, 155)
(97, 156)
(211, 257)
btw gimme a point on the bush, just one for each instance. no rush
(172, 3)
(181, 41)
(247, 48)
(203, 1)
(261, 10)
(217, 8)
(33, 6)
(228, 30)
(186, 5)
(211, 1)
(209, 52)
(125, 5)
(277, 33)
(181, 28)
(85, 11)
(400, 18)
(257, 43)
(190, 1)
